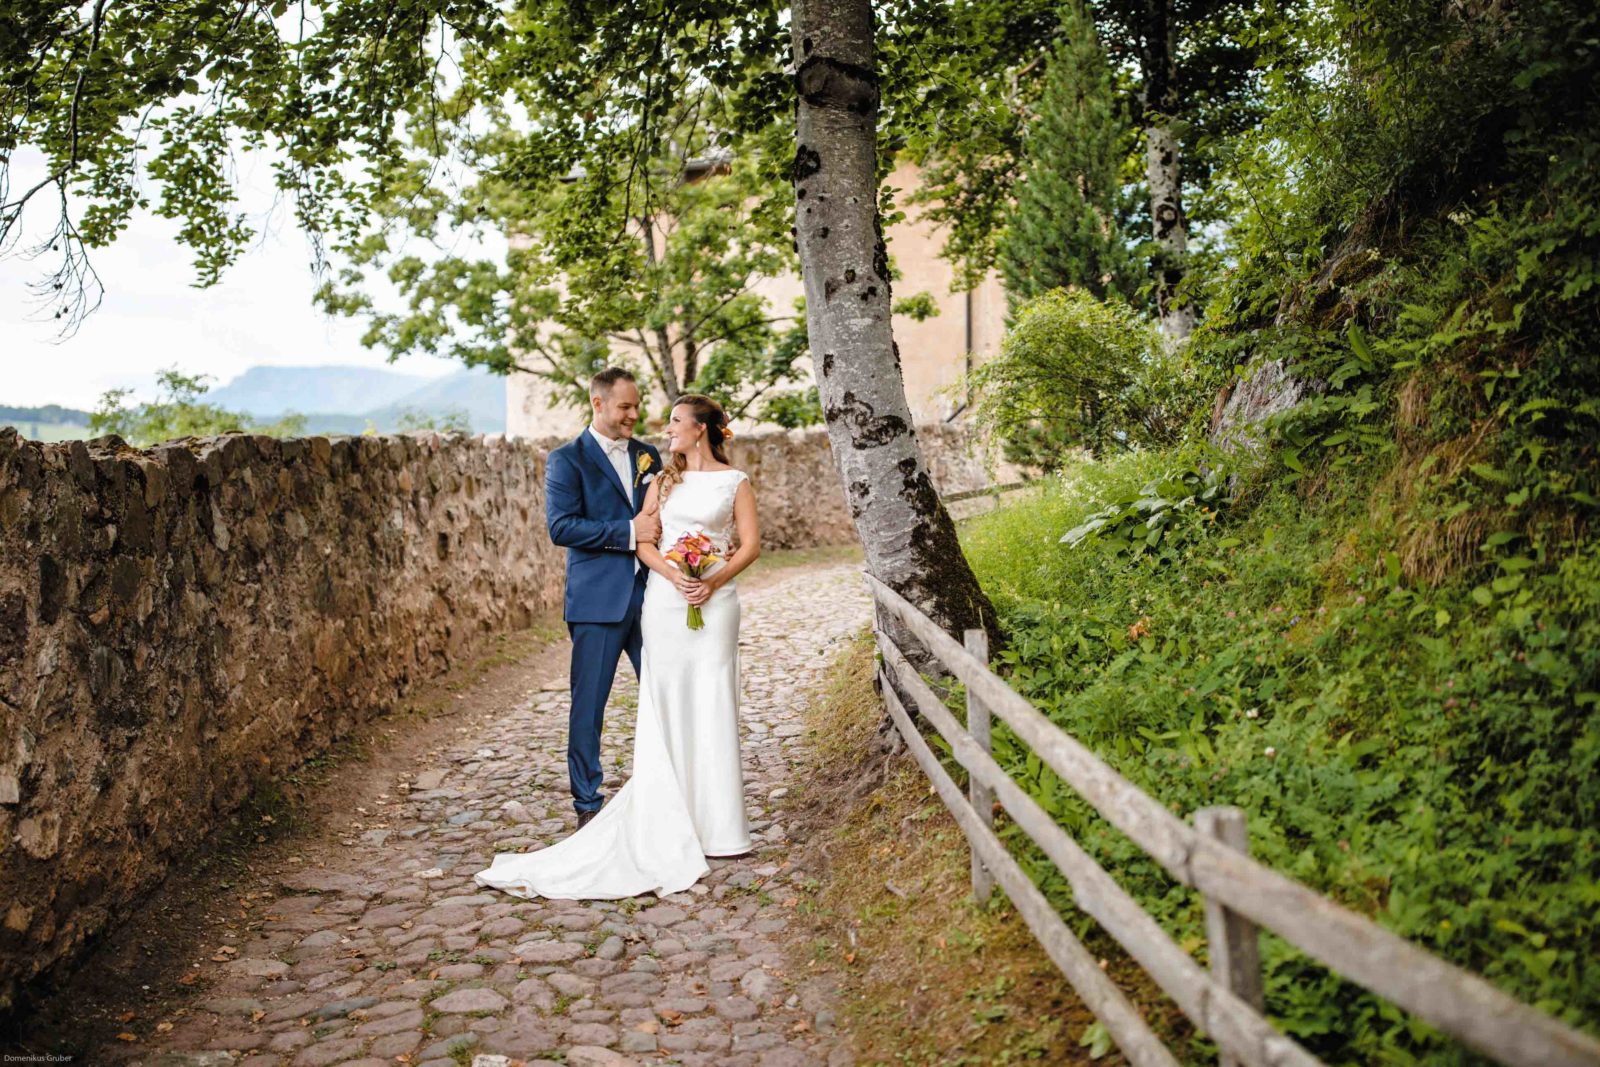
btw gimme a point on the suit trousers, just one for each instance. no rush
(597, 648)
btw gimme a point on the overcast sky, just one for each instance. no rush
(152, 317)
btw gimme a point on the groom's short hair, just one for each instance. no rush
(600, 384)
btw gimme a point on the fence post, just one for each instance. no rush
(1234, 940)
(981, 796)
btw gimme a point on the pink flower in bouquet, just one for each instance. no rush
(693, 553)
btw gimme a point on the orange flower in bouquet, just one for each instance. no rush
(693, 553)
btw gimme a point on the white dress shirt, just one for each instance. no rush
(616, 450)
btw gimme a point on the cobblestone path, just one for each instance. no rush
(391, 954)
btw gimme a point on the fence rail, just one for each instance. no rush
(988, 490)
(1240, 895)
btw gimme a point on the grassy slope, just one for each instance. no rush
(1422, 746)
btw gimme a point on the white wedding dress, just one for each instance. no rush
(685, 800)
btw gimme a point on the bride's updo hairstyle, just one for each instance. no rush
(708, 413)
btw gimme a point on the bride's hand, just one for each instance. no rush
(693, 589)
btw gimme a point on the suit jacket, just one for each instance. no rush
(588, 512)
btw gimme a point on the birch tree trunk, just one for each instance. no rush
(909, 538)
(1163, 170)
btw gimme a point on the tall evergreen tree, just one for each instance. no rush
(1066, 228)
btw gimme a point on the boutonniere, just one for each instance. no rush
(642, 466)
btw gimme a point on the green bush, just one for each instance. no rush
(1076, 372)
(180, 412)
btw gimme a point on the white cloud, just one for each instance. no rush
(152, 317)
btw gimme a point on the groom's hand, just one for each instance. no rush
(646, 528)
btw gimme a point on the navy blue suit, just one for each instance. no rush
(588, 512)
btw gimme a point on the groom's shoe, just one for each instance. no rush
(585, 816)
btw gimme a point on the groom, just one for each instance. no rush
(594, 488)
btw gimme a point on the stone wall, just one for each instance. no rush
(798, 492)
(183, 623)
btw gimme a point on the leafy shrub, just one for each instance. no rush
(1078, 372)
(179, 412)
(452, 420)
(1140, 522)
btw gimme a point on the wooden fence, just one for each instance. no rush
(1240, 895)
(988, 490)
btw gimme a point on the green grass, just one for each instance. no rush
(1426, 752)
(53, 431)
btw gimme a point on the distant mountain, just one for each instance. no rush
(478, 392)
(334, 400)
(49, 415)
(268, 392)
(344, 399)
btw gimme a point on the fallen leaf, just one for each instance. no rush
(800, 1027)
(189, 979)
(257, 1015)
(125, 1036)
(127, 1016)
(849, 957)
(163, 1027)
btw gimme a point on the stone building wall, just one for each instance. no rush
(183, 623)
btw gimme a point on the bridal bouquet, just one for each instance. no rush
(693, 553)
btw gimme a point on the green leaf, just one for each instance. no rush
(1358, 342)
(1488, 473)
(1096, 1039)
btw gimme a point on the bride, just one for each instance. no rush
(685, 801)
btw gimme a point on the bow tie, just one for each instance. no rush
(615, 448)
